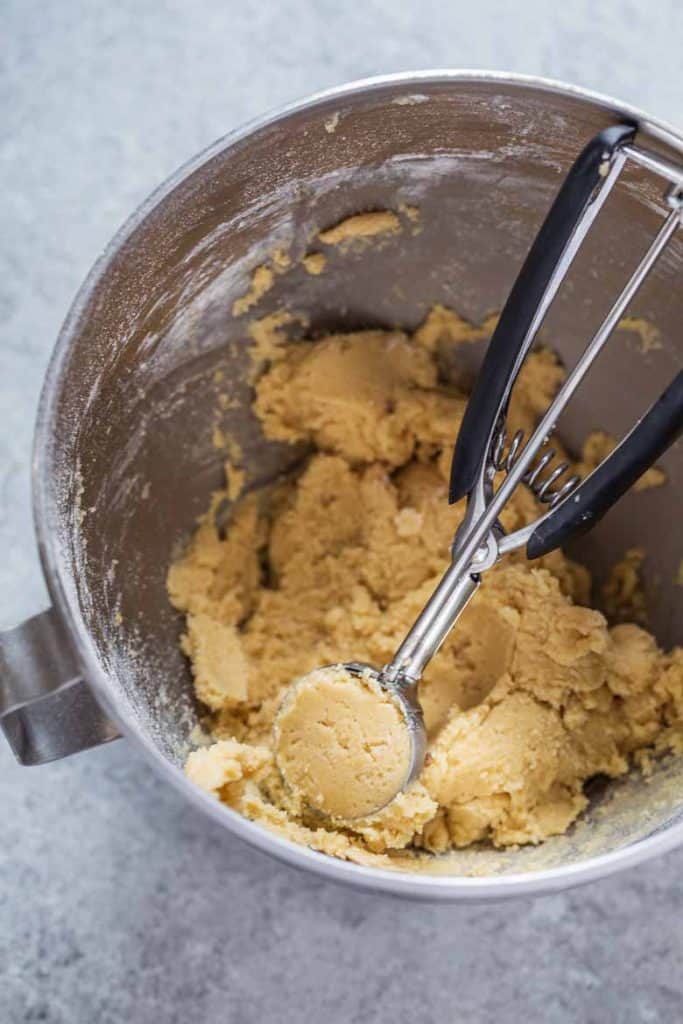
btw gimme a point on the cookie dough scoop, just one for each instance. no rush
(348, 738)
(347, 741)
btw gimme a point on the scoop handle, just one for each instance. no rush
(514, 327)
(658, 429)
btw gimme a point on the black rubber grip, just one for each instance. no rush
(489, 392)
(652, 435)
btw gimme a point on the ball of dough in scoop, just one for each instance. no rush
(342, 743)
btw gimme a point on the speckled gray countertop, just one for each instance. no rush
(117, 901)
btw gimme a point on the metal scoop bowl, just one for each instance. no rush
(341, 749)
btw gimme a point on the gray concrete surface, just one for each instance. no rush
(117, 902)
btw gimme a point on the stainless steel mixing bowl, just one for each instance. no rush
(124, 458)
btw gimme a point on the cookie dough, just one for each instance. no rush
(623, 597)
(262, 280)
(342, 743)
(361, 226)
(532, 693)
(314, 263)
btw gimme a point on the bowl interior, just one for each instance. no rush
(132, 461)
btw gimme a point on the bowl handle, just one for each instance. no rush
(47, 710)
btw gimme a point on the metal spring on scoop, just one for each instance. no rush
(542, 487)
